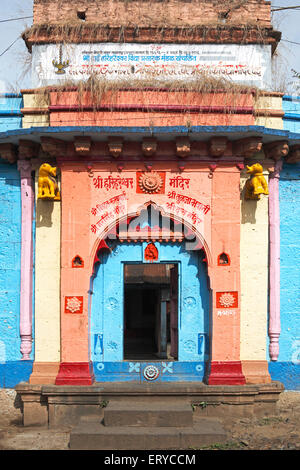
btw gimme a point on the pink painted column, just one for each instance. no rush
(274, 282)
(27, 200)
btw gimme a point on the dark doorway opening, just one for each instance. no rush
(150, 312)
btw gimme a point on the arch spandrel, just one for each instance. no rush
(197, 242)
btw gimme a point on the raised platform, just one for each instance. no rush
(54, 405)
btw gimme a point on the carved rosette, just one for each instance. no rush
(150, 182)
(227, 300)
(73, 304)
(151, 372)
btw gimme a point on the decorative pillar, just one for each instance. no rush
(75, 366)
(225, 366)
(27, 199)
(274, 283)
(47, 288)
(254, 276)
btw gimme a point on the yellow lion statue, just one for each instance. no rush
(256, 184)
(47, 185)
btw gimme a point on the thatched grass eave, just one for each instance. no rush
(91, 33)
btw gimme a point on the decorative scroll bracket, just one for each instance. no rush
(8, 152)
(115, 146)
(276, 150)
(217, 146)
(247, 147)
(54, 147)
(183, 147)
(294, 155)
(149, 146)
(82, 145)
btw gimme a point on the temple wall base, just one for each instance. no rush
(51, 405)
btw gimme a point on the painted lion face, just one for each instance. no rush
(47, 169)
(253, 169)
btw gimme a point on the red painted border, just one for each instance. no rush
(226, 373)
(154, 107)
(75, 373)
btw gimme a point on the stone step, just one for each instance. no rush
(148, 414)
(95, 436)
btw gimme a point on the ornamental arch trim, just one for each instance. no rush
(100, 240)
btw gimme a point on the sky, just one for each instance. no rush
(14, 63)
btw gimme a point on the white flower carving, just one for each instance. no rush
(73, 304)
(226, 300)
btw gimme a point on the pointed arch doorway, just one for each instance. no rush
(150, 304)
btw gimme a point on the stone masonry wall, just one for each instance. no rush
(154, 12)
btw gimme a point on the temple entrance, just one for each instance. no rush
(150, 315)
(150, 303)
(150, 312)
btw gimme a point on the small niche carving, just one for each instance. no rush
(81, 15)
(223, 259)
(77, 262)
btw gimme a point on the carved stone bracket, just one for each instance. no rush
(54, 147)
(294, 154)
(217, 146)
(115, 146)
(28, 149)
(149, 146)
(82, 144)
(8, 152)
(247, 147)
(276, 150)
(183, 147)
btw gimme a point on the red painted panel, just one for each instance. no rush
(75, 373)
(227, 299)
(226, 373)
(74, 304)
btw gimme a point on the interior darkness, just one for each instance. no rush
(146, 298)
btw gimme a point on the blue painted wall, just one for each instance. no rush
(107, 315)
(12, 369)
(291, 108)
(10, 114)
(287, 368)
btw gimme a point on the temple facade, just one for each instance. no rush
(150, 186)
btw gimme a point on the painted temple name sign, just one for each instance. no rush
(243, 63)
(107, 211)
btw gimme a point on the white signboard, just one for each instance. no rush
(247, 64)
